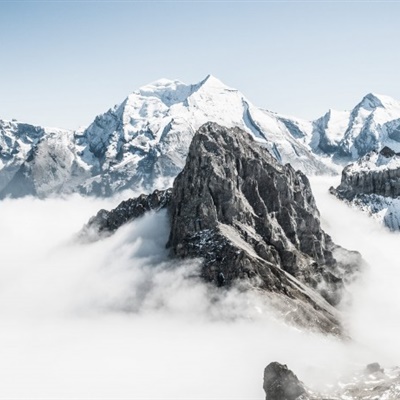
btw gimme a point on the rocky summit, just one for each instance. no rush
(253, 221)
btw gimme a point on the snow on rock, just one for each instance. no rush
(373, 185)
(329, 130)
(373, 124)
(143, 142)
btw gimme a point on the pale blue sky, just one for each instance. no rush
(64, 62)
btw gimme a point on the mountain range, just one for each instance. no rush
(143, 142)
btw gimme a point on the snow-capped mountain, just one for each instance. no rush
(143, 142)
(373, 124)
(16, 142)
(146, 138)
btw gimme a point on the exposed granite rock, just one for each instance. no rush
(373, 184)
(280, 383)
(251, 218)
(110, 221)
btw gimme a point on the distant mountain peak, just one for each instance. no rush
(373, 100)
(212, 81)
(172, 92)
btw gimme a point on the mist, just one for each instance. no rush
(373, 318)
(117, 319)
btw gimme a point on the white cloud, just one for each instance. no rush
(117, 319)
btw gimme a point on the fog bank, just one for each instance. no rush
(117, 319)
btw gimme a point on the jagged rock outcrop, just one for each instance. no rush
(376, 173)
(373, 184)
(109, 221)
(254, 222)
(251, 218)
(280, 383)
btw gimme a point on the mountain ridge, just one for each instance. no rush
(142, 143)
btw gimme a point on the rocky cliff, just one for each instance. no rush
(250, 217)
(254, 222)
(373, 184)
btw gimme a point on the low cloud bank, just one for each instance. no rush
(117, 319)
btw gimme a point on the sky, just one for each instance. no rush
(64, 62)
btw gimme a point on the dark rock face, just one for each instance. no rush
(110, 221)
(280, 383)
(250, 217)
(365, 181)
(373, 185)
(383, 183)
(388, 152)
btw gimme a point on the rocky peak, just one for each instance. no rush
(251, 219)
(254, 223)
(371, 101)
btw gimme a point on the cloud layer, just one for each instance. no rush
(117, 319)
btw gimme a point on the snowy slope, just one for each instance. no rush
(143, 142)
(373, 124)
(16, 142)
(328, 131)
